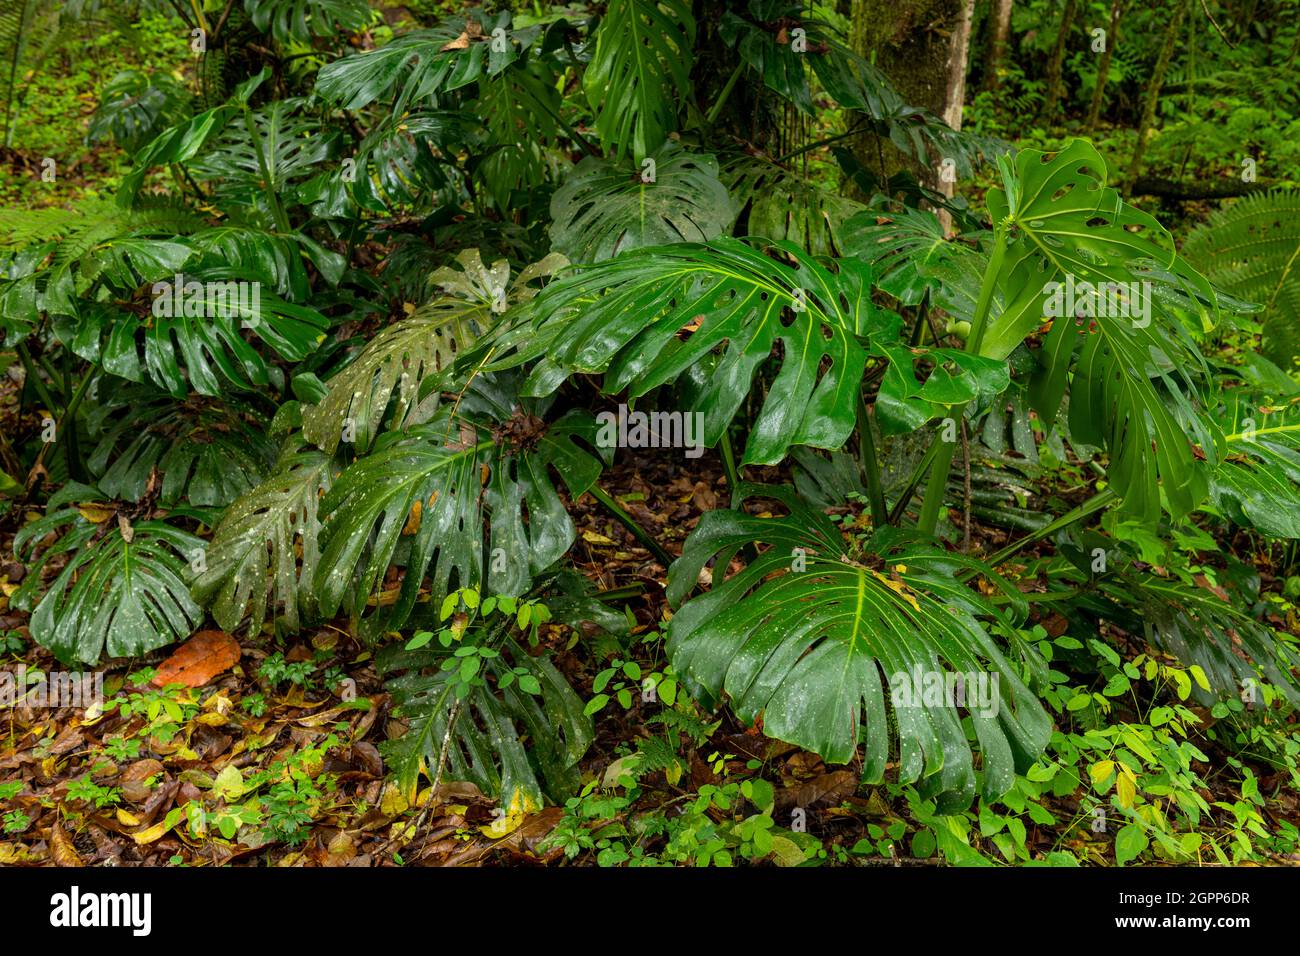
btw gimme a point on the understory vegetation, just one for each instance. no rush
(650, 432)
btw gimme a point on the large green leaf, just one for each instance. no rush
(179, 144)
(433, 497)
(914, 258)
(605, 207)
(297, 21)
(783, 204)
(1132, 377)
(803, 634)
(206, 453)
(397, 363)
(498, 739)
(1257, 483)
(123, 590)
(281, 147)
(1183, 615)
(413, 68)
(1065, 221)
(627, 317)
(254, 255)
(518, 107)
(253, 560)
(639, 72)
(205, 339)
(1129, 393)
(952, 378)
(397, 162)
(135, 107)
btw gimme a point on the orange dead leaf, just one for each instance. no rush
(198, 660)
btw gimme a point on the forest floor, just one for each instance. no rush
(152, 778)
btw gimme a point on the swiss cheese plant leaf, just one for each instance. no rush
(179, 144)
(1257, 483)
(197, 325)
(639, 71)
(123, 591)
(402, 358)
(605, 207)
(1066, 224)
(1132, 392)
(281, 147)
(254, 255)
(1075, 254)
(825, 647)
(265, 549)
(206, 453)
(951, 377)
(646, 317)
(297, 21)
(433, 497)
(913, 258)
(518, 107)
(411, 69)
(511, 744)
(135, 107)
(396, 161)
(783, 204)
(1186, 616)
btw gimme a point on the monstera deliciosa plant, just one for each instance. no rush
(463, 238)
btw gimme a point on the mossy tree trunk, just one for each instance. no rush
(1103, 67)
(1056, 66)
(1152, 98)
(999, 34)
(911, 41)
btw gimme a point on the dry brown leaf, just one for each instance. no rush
(62, 852)
(198, 660)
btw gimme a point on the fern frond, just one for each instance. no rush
(1251, 249)
(83, 227)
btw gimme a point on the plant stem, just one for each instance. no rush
(716, 109)
(928, 520)
(281, 220)
(638, 532)
(818, 144)
(869, 464)
(1091, 506)
(68, 421)
(35, 378)
(729, 463)
(900, 506)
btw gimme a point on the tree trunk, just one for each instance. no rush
(1057, 63)
(910, 41)
(1153, 89)
(1000, 27)
(955, 96)
(1103, 68)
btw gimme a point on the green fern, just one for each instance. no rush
(1251, 249)
(89, 224)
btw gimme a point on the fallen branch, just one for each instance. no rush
(1170, 189)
